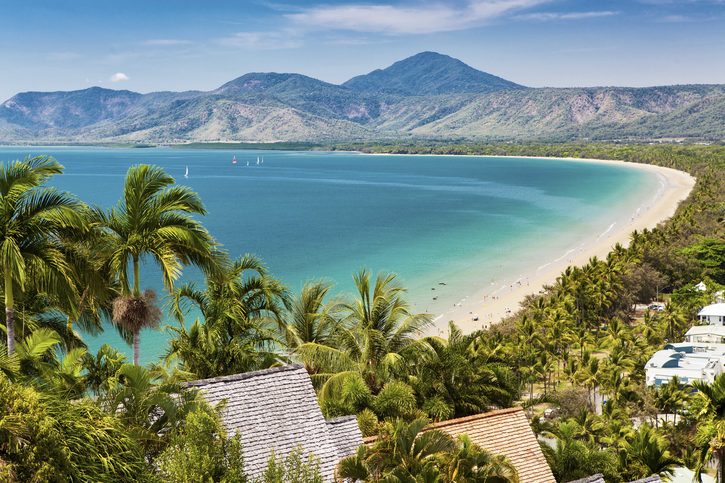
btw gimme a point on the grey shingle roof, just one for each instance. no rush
(345, 434)
(598, 478)
(276, 409)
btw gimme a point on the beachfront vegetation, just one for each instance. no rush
(579, 347)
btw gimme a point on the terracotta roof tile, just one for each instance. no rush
(505, 432)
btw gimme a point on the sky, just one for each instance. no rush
(152, 45)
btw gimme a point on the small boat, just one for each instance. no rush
(247, 163)
(186, 173)
(257, 160)
(234, 160)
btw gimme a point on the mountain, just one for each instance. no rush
(427, 96)
(429, 74)
(67, 109)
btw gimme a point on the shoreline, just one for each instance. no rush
(490, 304)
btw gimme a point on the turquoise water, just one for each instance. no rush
(312, 215)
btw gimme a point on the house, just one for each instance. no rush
(276, 410)
(688, 361)
(712, 314)
(502, 432)
(708, 334)
(719, 296)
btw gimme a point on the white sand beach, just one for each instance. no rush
(490, 303)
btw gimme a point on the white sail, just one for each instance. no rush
(186, 173)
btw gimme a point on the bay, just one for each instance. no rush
(459, 220)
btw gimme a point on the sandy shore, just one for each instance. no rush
(491, 303)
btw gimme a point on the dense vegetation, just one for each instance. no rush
(66, 414)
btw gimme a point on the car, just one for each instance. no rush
(657, 307)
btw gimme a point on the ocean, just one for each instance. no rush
(462, 221)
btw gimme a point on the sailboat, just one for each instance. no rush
(186, 173)
(257, 160)
(247, 163)
(262, 159)
(234, 159)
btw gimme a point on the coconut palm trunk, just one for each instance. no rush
(136, 351)
(9, 311)
(136, 293)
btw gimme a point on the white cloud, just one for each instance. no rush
(396, 19)
(545, 16)
(119, 77)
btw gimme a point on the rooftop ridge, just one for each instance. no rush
(244, 375)
(451, 422)
(475, 417)
(341, 419)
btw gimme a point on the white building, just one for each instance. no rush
(712, 314)
(707, 334)
(688, 361)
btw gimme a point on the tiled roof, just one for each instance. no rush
(505, 432)
(502, 432)
(276, 409)
(345, 434)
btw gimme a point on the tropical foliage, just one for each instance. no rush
(405, 452)
(578, 348)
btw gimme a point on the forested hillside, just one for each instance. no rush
(427, 96)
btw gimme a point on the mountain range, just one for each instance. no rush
(426, 96)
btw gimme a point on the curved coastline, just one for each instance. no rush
(491, 304)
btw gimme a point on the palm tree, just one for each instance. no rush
(154, 219)
(378, 334)
(673, 321)
(87, 251)
(710, 441)
(709, 404)
(309, 318)
(471, 464)
(406, 452)
(454, 380)
(32, 220)
(134, 313)
(241, 307)
(101, 367)
(650, 450)
(148, 406)
(571, 459)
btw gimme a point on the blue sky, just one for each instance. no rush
(199, 44)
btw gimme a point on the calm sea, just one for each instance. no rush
(460, 220)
